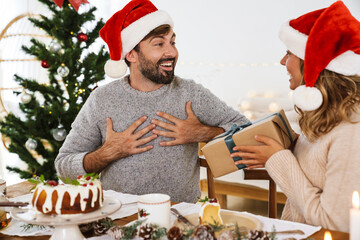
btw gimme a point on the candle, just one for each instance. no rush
(355, 218)
(327, 236)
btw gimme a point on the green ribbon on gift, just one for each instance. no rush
(229, 141)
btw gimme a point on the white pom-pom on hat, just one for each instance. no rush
(115, 69)
(307, 98)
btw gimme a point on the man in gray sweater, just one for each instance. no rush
(141, 132)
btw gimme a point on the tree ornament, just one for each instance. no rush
(25, 97)
(82, 37)
(54, 46)
(45, 64)
(59, 134)
(63, 70)
(31, 144)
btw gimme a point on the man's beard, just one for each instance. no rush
(152, 71)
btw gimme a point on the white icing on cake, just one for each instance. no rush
(73, 190)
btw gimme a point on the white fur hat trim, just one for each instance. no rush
(136, 31)
(115, 69)
(307, 98)
(347, 63)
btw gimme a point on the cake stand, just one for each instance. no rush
(66, 226)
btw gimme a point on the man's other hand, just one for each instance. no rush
(190, 130)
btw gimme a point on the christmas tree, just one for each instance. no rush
(49, 109)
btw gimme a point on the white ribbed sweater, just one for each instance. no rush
(319, 178)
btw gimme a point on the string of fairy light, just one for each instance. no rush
(231, 64)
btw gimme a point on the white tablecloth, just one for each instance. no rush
(15, 227)
(184, 208)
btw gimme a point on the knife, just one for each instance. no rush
(13, 204)
(180, 217)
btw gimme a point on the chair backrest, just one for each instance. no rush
(209, 177)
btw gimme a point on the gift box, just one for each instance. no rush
(217, 151)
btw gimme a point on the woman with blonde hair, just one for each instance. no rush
(321, 173)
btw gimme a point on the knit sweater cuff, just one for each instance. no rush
(278, 157)
(278, 168)
(73, 167)
(78, 163)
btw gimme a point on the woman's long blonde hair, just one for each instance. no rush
(341, 97)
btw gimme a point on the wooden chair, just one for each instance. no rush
(225, 188)
(262, 174)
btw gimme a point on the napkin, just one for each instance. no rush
(128, 208)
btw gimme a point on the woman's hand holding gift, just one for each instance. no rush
(257, 156)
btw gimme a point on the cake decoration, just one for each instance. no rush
(81, 195)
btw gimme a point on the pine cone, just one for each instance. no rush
(96, 228)
(203, 232)
(145, 232)
(116, 232)
(87, 227)
(226, 235)
(174, 234)
(258, 235)
(99, 228)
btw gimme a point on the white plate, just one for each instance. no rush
(242, 220)
(110, 205)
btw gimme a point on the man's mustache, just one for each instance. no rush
(166, 60)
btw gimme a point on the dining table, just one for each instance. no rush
(24, 187)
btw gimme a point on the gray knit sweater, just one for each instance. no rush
(173, 170)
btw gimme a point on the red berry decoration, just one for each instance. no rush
(45, 64)
(82, 37)
(80, 176)
(52, 183)
(143, 213)
(88, 178)
(84, 185)
(214, 200)
(91, 184)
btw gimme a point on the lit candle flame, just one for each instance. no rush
(327, 236)
(355, 199)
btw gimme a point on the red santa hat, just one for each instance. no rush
(328, 38)
(126, 28)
